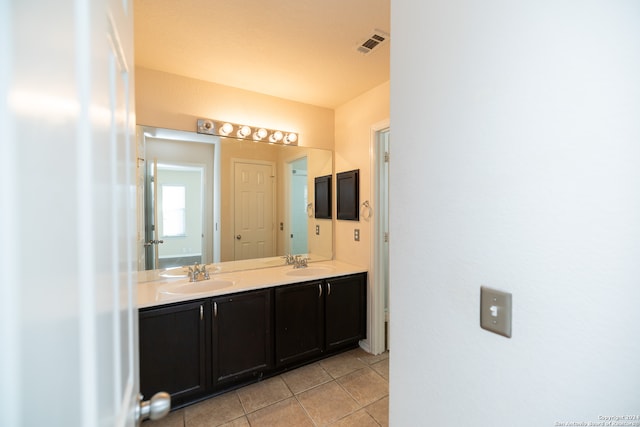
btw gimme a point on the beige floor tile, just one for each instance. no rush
(365, 386)
(173, 419)
(382, 367)
(380, 411)
(238, 422)
(264, 393)
(357, 419)
(357, 352)
(327, 403)
(214, 412)
(370, 359)
(305, 378)
(287, 413)
(342, 364)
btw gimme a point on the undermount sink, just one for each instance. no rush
(309, 271)
(174, 272)
(177, 272)
(196, 287)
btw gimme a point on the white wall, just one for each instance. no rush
(176, 102)
(353, 136)
(516, 129)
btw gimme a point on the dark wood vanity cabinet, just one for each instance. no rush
(242, 338)
(299, 322)
(345, 311)
(200, 348)
(173, 350)
(319, 317)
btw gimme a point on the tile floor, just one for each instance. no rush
(349, 389)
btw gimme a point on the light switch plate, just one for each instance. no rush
(495, 311)
(356, 234)
(317, 230)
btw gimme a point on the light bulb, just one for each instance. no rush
(244, 131)
(260, 134)
(291, 138)
(276, 136)
(226, 129)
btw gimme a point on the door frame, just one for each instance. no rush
(377, 316)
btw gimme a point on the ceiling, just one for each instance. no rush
(302, 50)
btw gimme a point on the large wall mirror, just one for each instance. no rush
(233, 203)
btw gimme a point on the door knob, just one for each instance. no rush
(238, 237)
(153, 242)
(155, 408)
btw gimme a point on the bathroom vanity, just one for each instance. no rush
(198, 339)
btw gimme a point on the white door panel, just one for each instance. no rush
(254, 210)
(67, 254)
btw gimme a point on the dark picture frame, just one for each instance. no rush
(348, 188)
(322, 197)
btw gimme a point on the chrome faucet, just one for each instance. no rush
(300, 261)
(289, 259)
(198, 273)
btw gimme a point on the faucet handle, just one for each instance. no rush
(289, 259)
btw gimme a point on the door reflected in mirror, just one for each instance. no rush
(220, 200)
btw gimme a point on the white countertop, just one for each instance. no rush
(168, 290)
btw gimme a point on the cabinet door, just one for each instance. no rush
(299, 322)
(345, 311)
(242, 338)
(172, 351)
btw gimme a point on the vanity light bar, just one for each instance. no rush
(234, 130)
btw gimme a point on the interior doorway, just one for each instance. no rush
(379, 281)
(179, 184)
(298, 199)
(176, 214)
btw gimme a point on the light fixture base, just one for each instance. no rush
(245, 132)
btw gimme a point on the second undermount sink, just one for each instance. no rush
(186, 288)
(309, 271)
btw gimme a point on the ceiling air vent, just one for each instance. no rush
(375, 40)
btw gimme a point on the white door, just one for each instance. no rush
(68, 321)
(253, 210)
